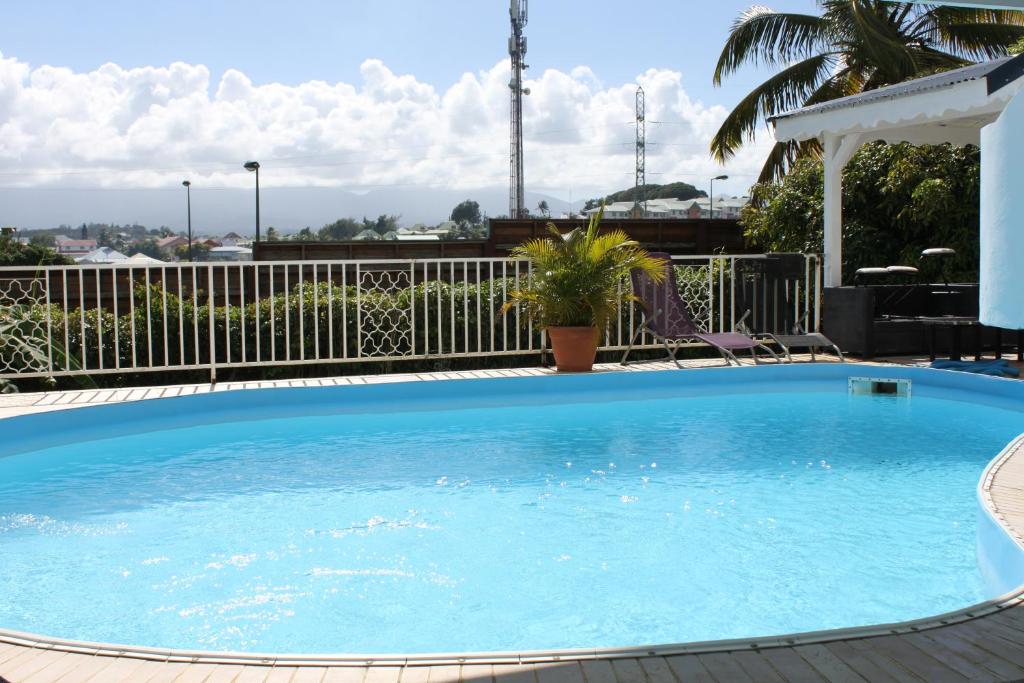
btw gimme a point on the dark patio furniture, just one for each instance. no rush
(666, 316)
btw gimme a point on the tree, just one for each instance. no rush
(14, 253)
(680, 190)
(272, 234)
(855, 45)
(383, 225)
(199, 251)
(43, 240)
(897, 201)
(305, 235)
(149, 248)
(468, 211)
(464, 230)
(542, 206)
(341, 229)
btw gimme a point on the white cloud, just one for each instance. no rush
(152, 126)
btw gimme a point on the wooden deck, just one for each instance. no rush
(986, 644)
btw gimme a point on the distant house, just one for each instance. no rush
(417, 237)
(70, 247)
(229, 254)
(142, 259)
(102, 255)
(367, 235)
(701, 207)
(233, 239)
(209, 242)
(168, 245)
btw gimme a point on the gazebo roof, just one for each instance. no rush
(948, 107)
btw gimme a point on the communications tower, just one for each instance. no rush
(517, 51)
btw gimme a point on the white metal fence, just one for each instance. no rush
(98, 319)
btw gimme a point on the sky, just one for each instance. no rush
(115, 95)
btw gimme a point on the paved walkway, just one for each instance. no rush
(983, 644)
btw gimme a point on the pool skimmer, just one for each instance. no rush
(879, 386)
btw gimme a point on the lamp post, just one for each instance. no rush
(188, 200)
(255, 166)
(711, 198)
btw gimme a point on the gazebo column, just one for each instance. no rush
(838, 150)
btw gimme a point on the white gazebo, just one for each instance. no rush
(975, 105)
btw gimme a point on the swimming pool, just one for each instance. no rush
(511, 515)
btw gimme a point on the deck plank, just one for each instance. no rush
(253, 674)
(758, 666)
(309, 674)
(724, 667)
(282, 674)
(990, 628)
(17, 652)
(512, 673)
(688, 668)
(345, 674)
(450, 673)
(167, 672)
(870, 666)
(225, 673)
(195, 673)
(19, 658)
(657, 670)
(560, 672)
(902, 653)
(948, 640)
(790, 665)
(89, 669)
(993, 644)
(597, 671)
(383, 674)
(828, 664)
(416, 674)
(627, 670)
(29, 666)
(475, 673)
(57, 669)
(121, 669)
(953, 660)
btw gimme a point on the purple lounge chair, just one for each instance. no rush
(668, 319)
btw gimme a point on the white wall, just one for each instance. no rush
(1002, 219)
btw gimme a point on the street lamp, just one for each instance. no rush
(255, 166)
(188, 199)
(711, 199)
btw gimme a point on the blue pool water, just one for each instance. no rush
(576, 525)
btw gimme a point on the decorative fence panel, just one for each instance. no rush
(89, 320)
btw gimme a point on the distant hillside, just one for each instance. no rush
(651, 191)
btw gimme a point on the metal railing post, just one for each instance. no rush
(212, 326)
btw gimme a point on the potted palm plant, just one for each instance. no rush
(577, 287)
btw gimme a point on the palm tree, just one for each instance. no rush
(855, 45)
(578, 276)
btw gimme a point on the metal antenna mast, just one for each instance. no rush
(517, 50)
(641, 144)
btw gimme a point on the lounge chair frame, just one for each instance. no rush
(800, 338)
(667, 317)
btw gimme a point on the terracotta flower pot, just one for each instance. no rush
(575, 348)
